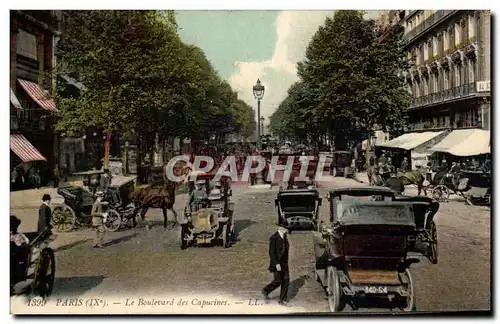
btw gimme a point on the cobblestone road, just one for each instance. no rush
(140, 262)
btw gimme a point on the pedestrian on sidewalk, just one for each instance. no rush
(98, 219)
(44, 215)
(279, 248)
(57, 176)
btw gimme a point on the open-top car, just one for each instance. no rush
(362, 254)
(210, 218)
(298, 208)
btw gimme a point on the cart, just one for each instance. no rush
(32, 267)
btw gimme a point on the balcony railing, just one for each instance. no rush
(428, 23)
(462, 91)
(26, 125)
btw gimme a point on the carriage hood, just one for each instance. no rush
(374, 213)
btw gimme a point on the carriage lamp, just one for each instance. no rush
(84, 137)
(95, 134)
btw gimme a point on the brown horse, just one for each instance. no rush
(413, 177)
(407, 178)
(156, 196)
(159, 196)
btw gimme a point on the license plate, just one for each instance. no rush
(375, 290)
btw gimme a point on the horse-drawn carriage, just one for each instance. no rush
(364, 255)
(298, 208)
(76, 209)
(211, 218)
(32, 266)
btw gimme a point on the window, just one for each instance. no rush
(426, 52)
(446, 40)
(446, 81)
(451, 38)
(426, 87)
(472, 68)
(471, 22)
(417, 90)
(464, 30)
(434, 83)
(434, 45)
(447, 121)
(457, 34)
(457, 76)
(26, 44)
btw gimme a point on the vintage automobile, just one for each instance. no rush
(362, 255)
(424, 240)
(298, 208)
(210, 220)
(33, 271)
(480, 187)
(340, 161)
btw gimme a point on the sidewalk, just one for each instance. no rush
(29, 218)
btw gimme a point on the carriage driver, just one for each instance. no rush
(455, 173)
(98, 219)
(198, 195)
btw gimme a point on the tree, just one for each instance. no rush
(140, 77)
(350, 82)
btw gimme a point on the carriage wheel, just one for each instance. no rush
(333, 290)
(409, 302)
(226, 236)
(440, 193)
(433, 243)
(184, 242)
(63, 218)
(113, 221)
(44, 273)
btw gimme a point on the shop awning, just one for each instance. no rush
(39, 95)
(465, 142)
(411, 140)
(24, 149)
(14, 101)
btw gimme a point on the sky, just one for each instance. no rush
(244, 46)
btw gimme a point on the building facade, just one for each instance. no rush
(449, 69)
(32, 111)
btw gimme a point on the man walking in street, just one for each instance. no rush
(44, 215)
(98, 219)
(57, 176)
(279, 248)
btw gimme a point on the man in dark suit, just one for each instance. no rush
(279, 248)
(44, 214)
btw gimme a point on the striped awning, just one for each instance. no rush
(24, 149)
(14, 101)
(39, 95)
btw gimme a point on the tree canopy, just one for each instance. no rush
(350, 82)
(140, 77)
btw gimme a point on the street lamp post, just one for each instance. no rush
(258, 93)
